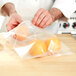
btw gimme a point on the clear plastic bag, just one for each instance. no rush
(30, 41)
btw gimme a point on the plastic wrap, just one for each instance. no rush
(30, 41)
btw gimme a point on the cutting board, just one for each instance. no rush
(12, 65)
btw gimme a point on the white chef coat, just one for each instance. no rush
(28, 8)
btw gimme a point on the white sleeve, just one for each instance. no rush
(3, 2)
(67, 7)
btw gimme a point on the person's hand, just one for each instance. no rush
(42, 18)
(14, 21)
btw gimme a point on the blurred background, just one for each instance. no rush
(68, 27)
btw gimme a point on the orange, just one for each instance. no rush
(18, 37)
(21, 33)
(39, 48)
(53, 44)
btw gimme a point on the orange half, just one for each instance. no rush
(53, 44)
(21, 33)
(39, 48)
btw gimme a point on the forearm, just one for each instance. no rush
(8, 9)
(56, 14)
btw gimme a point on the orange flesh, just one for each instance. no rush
(21, 33)
(39, 48)
(53, 44)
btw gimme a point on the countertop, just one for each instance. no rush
(12, 65)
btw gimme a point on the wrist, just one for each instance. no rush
(11, 13)
(55, 14)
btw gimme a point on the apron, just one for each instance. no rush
(28, 8)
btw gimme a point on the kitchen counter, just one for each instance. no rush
(74, 36)
(12, 65)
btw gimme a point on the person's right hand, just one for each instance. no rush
(14, 21)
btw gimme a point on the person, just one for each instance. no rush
(43, 13)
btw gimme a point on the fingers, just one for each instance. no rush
(11, 26)
(48, 22)
(40, 11)
(42, 19)
(43, 22)
(19, 20)
(13, 22)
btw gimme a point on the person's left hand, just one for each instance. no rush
(42, 18)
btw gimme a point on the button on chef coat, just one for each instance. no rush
(28, 8)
